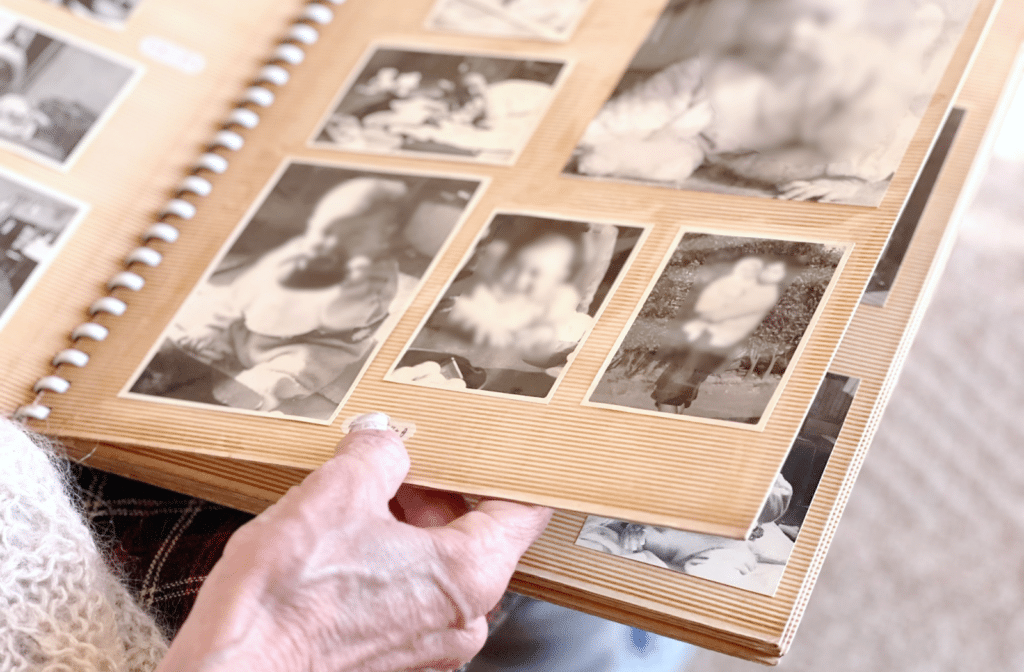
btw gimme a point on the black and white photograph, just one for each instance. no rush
(808, 100)
(290, 313)
(458, 106)
(888, 267)
(34, 222)
(113, 13)
(757, 563)
(719, 329)
(519, 306)
(54, 93)
(552, 20)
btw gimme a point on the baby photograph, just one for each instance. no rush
(291, 311)
(457, 106)
(810, 100)
(719, 329)
(757, 563)
(518, 308)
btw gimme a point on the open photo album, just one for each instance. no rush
(654, 264)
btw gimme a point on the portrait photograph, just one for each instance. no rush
(456, 106)
(552, 20)
(809, 100)
(719, 328)
(289, 314)
(54, 93)
(34, 221)
(757, 563)
(519, 307)
(110, 12)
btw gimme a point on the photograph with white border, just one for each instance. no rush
(34, 222)
(757, 563)
(810, 100)
(719, 329)
(519, 307)
(551, 20)
(290, 313)
(55, 92)
(420, 102)
(113, 13)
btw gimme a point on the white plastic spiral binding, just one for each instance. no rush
(72, 356)
(160, 231)
(215, 163)
(289, 52)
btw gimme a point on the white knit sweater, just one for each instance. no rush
(61, 607)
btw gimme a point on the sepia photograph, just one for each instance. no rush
(888, 267)
(809, 100)
(464, 106)
(53, 93)
(719, 328)
(34, 221)
(519, 307)
(757, 563)
(111, 12)
(289, 314)
(552, 20)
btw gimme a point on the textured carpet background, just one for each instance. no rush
(927, 568)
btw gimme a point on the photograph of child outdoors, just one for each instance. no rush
(720, 328)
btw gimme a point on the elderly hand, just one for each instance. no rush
(329, 579)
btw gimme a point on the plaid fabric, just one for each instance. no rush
(164, 543)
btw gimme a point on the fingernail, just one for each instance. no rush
(370, 421)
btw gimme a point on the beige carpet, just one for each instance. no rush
(927, 569)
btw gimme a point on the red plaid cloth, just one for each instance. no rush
(165, 543)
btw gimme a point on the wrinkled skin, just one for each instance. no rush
(330, 579)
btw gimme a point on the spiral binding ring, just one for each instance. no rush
(291, 51)
(72, 356)
(128, 280)
(160, 231)
(90, 330)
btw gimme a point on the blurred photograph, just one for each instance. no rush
(888, 267)
(720, 328)
(811, 100)
(111, 12)
(33, 223)
(757, 563)
(53, 93)
(471, 107)
(517, 310)
(552, 20)
(290, 313)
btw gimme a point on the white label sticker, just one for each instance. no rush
(176, 56)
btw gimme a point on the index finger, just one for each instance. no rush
(366, 471)
(504, 527)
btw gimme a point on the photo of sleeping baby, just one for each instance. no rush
(292, 310)
(757, 563)
(472, 107)
(719, 329)
(53, 93)
(812, 100)
(552, 20)
(517, 310)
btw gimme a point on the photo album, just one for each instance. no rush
(654, 264)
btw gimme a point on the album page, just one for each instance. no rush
(104, 108)
(562, 259)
